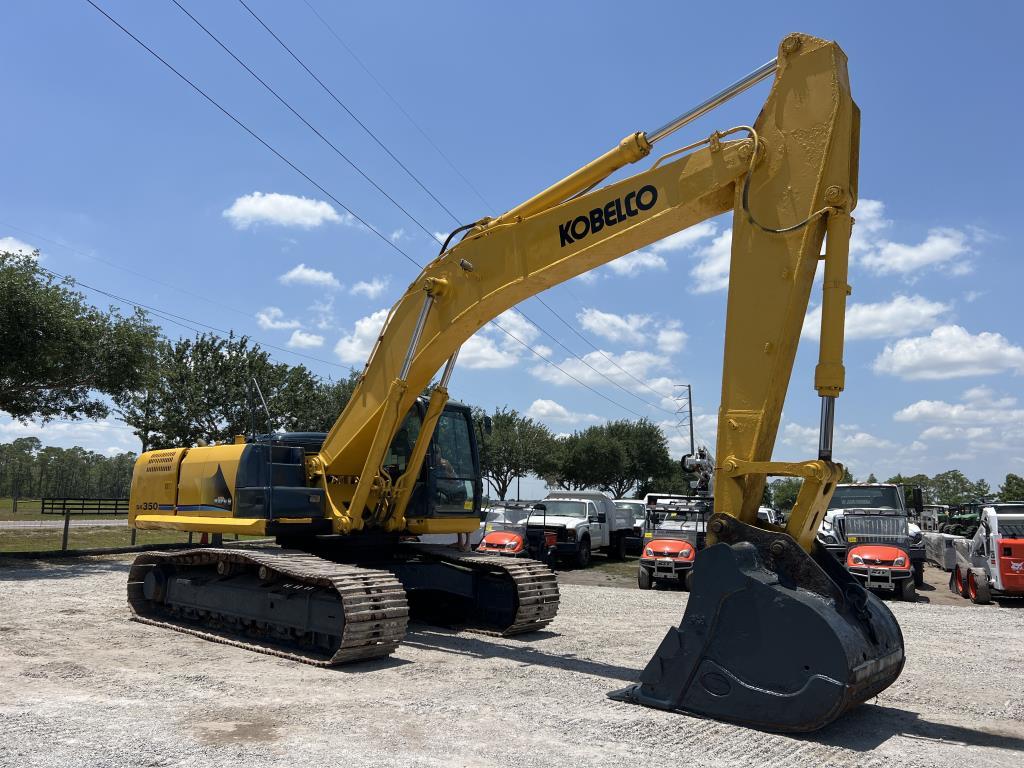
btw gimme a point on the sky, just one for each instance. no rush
(127, 179)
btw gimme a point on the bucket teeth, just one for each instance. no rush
(780, 648)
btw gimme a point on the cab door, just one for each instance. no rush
(598, 526)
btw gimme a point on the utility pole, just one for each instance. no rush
(684, 410)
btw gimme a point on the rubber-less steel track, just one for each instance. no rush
(536, 586)
(371, 621)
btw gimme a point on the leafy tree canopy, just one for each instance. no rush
(60, 354)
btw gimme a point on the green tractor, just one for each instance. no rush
(962, 520)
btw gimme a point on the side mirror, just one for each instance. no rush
(918, 502)
(488, 425)
(594, 519)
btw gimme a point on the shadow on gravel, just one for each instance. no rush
(12, 569)
(432, 639)
(868, 726)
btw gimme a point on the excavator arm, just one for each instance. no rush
(788, 179)
(776, 634)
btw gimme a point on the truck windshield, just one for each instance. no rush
(563, 508)
(865, 497)
(635, 508)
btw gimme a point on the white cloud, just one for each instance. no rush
(991, 411)
(671, 338)
(985, 421)
(371, 289)
(632, 264)
(355, 347)
(14, 245)
(323, 313)
(945, 248)
(595, 368)
(650, 258)
(303, 275)
(711, 273)
(549, 410)
(272, 319)
(949, 352)
(303, 340)
(283, 210)
(397, 235)
(940, 247)
(107, 436)
(848, 439)
(901, 316)
(492, 347)
(613, 327)
(482, 352)
(972, 296)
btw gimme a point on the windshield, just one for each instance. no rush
(680, 515)
(563, 508)
(453, 468)
(865, 497)
(635, 508)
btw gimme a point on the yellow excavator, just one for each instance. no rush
(776, 634)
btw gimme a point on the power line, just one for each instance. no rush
(309, 125)
(397, 104)
(606, 357)
(308, 178)
(185, 321)
(123, 268)
(351, 114)
(256, 136)
(583, 360)
(563, 371)
(398, 205)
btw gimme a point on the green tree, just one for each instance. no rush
(200, 390)
(515, 447)
(61, 354)
(784, 492)
(953, 487)
(871, 478)
(1012, 488)
(645, 455)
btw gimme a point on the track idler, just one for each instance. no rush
(772, 638)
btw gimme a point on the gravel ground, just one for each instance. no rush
(84, 686)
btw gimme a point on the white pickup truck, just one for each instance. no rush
(583, 521)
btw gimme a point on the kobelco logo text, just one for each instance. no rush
(613, 212)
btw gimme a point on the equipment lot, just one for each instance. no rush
(85, 686)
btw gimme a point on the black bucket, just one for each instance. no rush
(772, 638)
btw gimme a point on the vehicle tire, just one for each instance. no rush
(919, 573)
(908, 592)
(688, 581)
(643, 578)
(959, 585)
(617, 550)
(583, 553)
(977, 587)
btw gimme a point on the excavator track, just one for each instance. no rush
(534, 589)
(279, 602)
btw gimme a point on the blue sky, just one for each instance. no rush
(127, 179)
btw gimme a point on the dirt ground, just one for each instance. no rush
(82, 685)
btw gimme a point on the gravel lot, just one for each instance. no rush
(84, 686)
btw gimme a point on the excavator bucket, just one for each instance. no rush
(772, 637)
